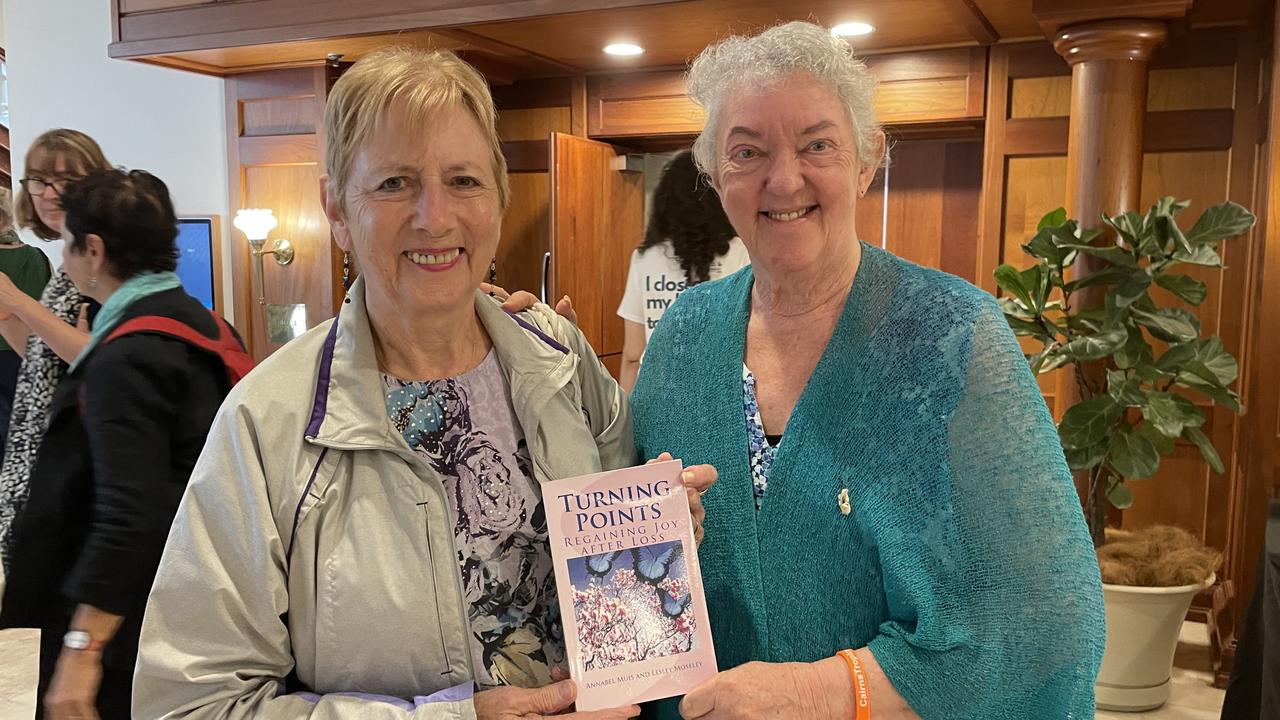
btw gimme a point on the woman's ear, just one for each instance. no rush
(95, 251)
(331, 201)
(868, 171)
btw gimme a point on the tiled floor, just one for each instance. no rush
(1194, 698)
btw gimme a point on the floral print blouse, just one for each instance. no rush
(466, 429)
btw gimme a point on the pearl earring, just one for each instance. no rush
(93, 283)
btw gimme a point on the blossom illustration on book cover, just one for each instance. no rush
(632, 605)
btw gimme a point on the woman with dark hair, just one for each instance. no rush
(46, 331)
(689, 240)
(125, 428)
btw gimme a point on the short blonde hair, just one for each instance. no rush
(425, 80)
(739, 62)
(81, 153)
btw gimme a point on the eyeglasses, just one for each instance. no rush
(36, 186)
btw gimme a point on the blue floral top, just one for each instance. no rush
(466, 429)
(758, 446)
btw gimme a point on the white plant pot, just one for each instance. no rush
(1143, 625)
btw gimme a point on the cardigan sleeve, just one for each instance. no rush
(998, 614)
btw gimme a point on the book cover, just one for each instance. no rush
(635, 619)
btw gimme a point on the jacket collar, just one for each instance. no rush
(349, 411)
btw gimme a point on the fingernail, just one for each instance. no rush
(566, 690)
(687, 476)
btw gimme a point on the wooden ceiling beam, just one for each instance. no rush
(498, 47)
(977, 24)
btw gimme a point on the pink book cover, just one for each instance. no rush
(635, 619)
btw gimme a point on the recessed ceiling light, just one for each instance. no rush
(852, 29)
(623, 49)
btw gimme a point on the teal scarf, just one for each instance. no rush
(134, 289)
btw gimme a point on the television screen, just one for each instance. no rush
(195, 258)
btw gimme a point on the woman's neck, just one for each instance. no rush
(420, 347)
(807, 292)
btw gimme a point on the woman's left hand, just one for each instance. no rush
(73, 691)
(773, 691)
(696, 478)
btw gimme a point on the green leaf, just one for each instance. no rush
(1134, 351)
(1220, 222)
(1169, 324)
(1184, 286)
(1132, 455)
(1164, 445)
(1109, 276)
(1027, 327)
(1085, 458)
(1197, 376)
(1119, 495)
(1096, 347)
(1217, 360)
(1012, 306)
(1124, 389)
(1128, 225)
(1010, 280)
(1201, 255)
(1036, 280)
(1167, 237)
(1173, 358)
(1207, 451)
(1089, 422)
(1052, 219)
(1132, 289)
(1110, 253)
(1171, 412)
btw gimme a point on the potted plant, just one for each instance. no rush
(1136, 364)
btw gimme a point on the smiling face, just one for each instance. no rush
(789, 176)
(420, 212)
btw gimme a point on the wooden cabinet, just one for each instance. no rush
(933, 86)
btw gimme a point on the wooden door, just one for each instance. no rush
(597, 220)
(274, 136)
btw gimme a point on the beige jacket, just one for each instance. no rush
(312, 541)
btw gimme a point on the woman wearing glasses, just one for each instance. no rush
(54, 329)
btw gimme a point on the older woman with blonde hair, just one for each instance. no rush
(895, 530)
(364, 534)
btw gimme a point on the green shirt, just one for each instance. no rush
(29, 270)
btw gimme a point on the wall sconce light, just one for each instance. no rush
(256, 223)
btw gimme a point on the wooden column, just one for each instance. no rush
(1108, 62)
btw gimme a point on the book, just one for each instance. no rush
(630, 588)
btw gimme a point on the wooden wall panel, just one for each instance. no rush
(274, 136)
(526, 231)
(278, 116)
(532, 123)
(623, 232)
(1194, 88)
(1034, 97)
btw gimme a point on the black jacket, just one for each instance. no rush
(125, 430)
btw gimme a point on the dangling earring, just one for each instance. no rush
(493, 271)
(93, 283)
(346, 271)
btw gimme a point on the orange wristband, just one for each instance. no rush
(861, 695)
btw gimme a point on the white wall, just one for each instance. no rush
(168, 122)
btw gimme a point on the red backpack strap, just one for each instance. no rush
(226, 347)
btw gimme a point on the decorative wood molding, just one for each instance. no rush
(1053, 15)
(233, 24)
(1110, 40)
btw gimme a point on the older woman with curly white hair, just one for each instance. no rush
(894, 533)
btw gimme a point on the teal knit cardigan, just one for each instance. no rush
(965, 563)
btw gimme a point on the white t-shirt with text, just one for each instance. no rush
(656, 280)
